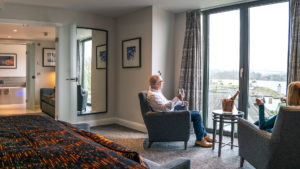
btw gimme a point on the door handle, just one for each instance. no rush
(241, 72)
(72, 79)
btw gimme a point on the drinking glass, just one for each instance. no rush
(181, 91)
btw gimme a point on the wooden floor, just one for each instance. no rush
(16, 109)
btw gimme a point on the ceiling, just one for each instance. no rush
(112, 8)
(115, 8)
(26, 32)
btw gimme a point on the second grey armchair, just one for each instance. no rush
(165, 126)
(279, 150)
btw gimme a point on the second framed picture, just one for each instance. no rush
(131, 53)
(49, 57)
(101, 56)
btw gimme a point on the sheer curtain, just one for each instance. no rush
(294, 42)
(190, 72)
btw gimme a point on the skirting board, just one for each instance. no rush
(122, 122)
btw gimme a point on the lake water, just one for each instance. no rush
(258, 83)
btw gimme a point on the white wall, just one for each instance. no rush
(20, 50)
(130, 81)
(179, 33)
(54, 16)
(163, 48)
(45, 76)
(162, 33)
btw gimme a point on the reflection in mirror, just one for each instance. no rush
(92, 56)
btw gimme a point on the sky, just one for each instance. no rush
(268, 39)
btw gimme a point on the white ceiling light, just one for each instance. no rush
(15, 30)
(8, 36)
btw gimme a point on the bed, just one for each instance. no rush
(35, 141)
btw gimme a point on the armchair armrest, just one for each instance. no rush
(179, 163)
(255, 145)
(168, 114)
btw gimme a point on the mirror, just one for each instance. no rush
(92, 55)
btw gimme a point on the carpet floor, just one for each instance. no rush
(163, 152)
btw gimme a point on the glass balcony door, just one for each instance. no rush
(268, 57)
(246, 49)
(224, 39)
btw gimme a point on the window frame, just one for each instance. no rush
(244, 53)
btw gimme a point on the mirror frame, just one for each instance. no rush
(107, 58)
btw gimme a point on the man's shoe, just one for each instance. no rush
(203, 143)
(209, 139)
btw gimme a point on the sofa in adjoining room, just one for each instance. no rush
(47, 101)
(82, 96)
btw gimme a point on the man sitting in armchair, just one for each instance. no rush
(159, 103)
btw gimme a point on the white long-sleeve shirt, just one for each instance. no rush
(159, 103)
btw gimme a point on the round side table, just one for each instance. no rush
(224, 117)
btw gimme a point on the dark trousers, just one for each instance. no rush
(264, 123)
(197, 122)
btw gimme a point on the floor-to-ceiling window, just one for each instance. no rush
(246, 49)
(223, 58)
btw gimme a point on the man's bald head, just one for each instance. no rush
(155, 81)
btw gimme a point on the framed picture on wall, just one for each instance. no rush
(8, 60)
(131, 53)
(101, 56)
(49, 57)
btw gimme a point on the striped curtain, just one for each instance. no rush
(294, 42)
(190, 72)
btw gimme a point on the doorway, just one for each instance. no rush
(22, 83)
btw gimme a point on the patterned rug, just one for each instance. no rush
(163, 152)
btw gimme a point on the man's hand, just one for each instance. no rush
(180, 96)
(185, 103)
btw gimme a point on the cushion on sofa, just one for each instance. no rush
(52, 101)
(46, 97)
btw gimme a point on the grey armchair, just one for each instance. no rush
(277, 150)
(165, 126)
(82, 96)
